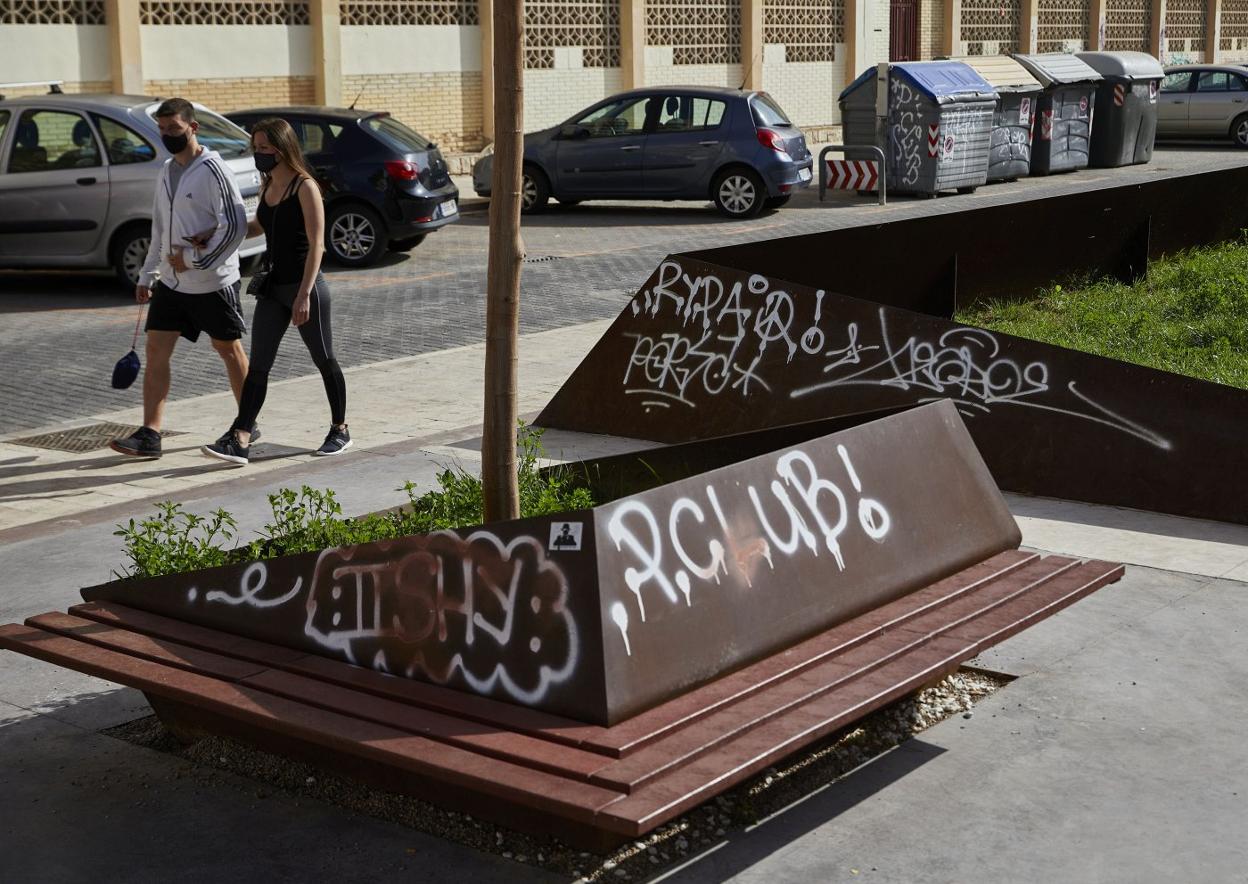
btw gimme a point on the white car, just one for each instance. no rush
(78, 177)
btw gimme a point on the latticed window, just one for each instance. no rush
(699, 31)
(1063, 22)
(1234, 25)
(223, 12)
(52, 12)
(808, 29)
(1185, 25)
(409, 12)
(990, 27)
(1127, 23)
(593, 25)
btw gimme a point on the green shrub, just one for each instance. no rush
(174, 540)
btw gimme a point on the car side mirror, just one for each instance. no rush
(572, 132)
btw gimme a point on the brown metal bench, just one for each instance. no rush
(593, 786)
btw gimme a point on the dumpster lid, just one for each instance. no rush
(1058, 68)
(1004, 73)
(1127, 65)
(939, 80)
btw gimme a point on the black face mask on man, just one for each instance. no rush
(266, 162)
(174, 143)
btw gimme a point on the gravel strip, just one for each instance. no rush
(768, 793)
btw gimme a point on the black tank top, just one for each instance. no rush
(285, 235)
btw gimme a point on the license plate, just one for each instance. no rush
(803, 175)
(449, 208)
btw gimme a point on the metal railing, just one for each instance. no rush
(844, 148)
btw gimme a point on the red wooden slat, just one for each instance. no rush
(138, 645)
(684, 788)
(631, 735)
(458, 703)
(470, 735)
(453, 766)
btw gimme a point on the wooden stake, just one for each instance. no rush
(502, 312)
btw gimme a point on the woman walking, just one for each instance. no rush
(293, 292)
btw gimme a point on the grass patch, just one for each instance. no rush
(1190, 316)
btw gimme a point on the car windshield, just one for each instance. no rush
(217, 133)
(395, 134)
(767, 112)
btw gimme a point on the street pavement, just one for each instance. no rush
(1116, 755)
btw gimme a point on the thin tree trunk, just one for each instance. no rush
(502, 312)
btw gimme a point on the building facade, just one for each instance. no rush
(428, 61)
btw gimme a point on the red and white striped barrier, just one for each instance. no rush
(1120, 95)
(853, 174)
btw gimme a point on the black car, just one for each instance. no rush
(384, 185)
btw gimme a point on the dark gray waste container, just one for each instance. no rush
(1126, 107)
(1010, 154)
(1063, 127)
(939, 124)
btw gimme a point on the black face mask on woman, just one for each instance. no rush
(174, 143)
(266, 162)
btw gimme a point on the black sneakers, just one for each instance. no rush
(255, 435)
(228, 448)
(338, 441)
(144, 442)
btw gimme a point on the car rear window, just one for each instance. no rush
(4, 123)
(221, 135)
(767, 112)
(395, 134)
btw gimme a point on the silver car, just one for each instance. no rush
(78, 177)
(1204, 101)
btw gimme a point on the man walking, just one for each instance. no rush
(198, 222)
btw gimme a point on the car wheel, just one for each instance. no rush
(354, 235)
(775, 202)
(1239, 131)
(534, 191)
(738, 193)
(406, 244)
(130, 253)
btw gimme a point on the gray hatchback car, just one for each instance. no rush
(78, 178)
(733, 146)
(1204, 101)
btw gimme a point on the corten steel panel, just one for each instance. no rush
(502, 611)
(818, 533)
(705, 351)
(709, 573)
(1006, 251)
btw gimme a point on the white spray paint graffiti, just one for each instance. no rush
(719, 349)
(906, 134)
(815, 513)
(438, 607)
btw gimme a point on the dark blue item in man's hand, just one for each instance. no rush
(126, 370)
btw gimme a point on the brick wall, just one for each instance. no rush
(808, 90)
(237, 93)
(551, 96)
(443, 106)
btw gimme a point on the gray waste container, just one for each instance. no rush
(1010, 154)
(939, 124)
(1126, 107)
(1063, 126)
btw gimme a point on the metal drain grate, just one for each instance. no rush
(541, 259)
(82, 439)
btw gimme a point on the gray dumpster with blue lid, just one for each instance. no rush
(1126, 107)
(1063, 128)
(939, 125)
(1009, 156)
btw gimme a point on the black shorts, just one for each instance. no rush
(218, 313)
